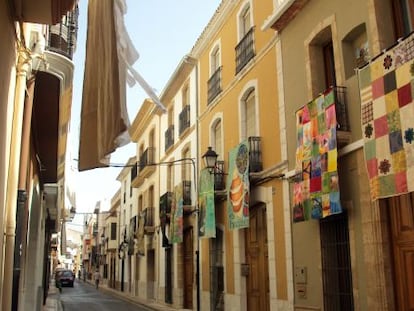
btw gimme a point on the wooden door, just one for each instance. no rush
(188, 268)
(401, 210)
(257, 260)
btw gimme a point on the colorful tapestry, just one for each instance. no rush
(387, 118)
(176, 226)
(316, 187)
(238, 187)
(206, 216)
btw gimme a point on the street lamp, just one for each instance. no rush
(210, 159)
(122, 251)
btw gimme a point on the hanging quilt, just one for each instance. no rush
(238, 187)
(316, 186)
(206, 217)
(387, 118)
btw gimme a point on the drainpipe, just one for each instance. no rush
(22, 69)
(198, 272)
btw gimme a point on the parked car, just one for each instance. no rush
(65, 277)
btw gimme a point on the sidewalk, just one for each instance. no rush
(53, 302)
(53, 298)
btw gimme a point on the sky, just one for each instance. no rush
(162, 31)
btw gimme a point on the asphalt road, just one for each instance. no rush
(84, 296)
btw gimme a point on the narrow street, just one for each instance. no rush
(84, 296)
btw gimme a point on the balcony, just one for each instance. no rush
(343, 131)
(144, 168)
(184, 120)
(219, 182)
(169, 137)
(214, 85)
(62, 37)
(255, 154)
(165, 207)
(245, 50)
(186, 192)
(149, 224)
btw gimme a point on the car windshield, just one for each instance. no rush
(67, 273)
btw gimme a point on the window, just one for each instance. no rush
(113, 230)
(169, 133)
(329, 65)
(170, 178)
(245, 47)
(403, 13)
(214, 60)
(140, 204)
(151, 196)
(186, 96)
(186, 168)
(245, 23)
(217, 138)
(355, 49)
(322, 61)
(125, 191)
(248, 114)
(171, 115)
(214, 82)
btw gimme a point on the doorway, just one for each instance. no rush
(257, 259)
(188, 268)
(401, 224)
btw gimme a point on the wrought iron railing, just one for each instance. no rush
(219, 181)
(184, 119)
(146, 158)
(255, 154)
(165, 206)
(214, 85)
(169, 137)
(245, 50)
(61, 38)
(149, 216)
(187, 192)
(341, 108)
(134, 172)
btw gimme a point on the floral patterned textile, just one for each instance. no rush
(387, 118)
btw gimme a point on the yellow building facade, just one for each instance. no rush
(246, 268)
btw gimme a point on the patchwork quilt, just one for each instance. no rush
(387, 118)
(316, 186)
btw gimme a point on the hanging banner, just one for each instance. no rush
(238, 187)
(176, 226)
(140, 235)
(316, 187)
(131, 236)
(165, 213)
(387, 119)
(207, 218)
